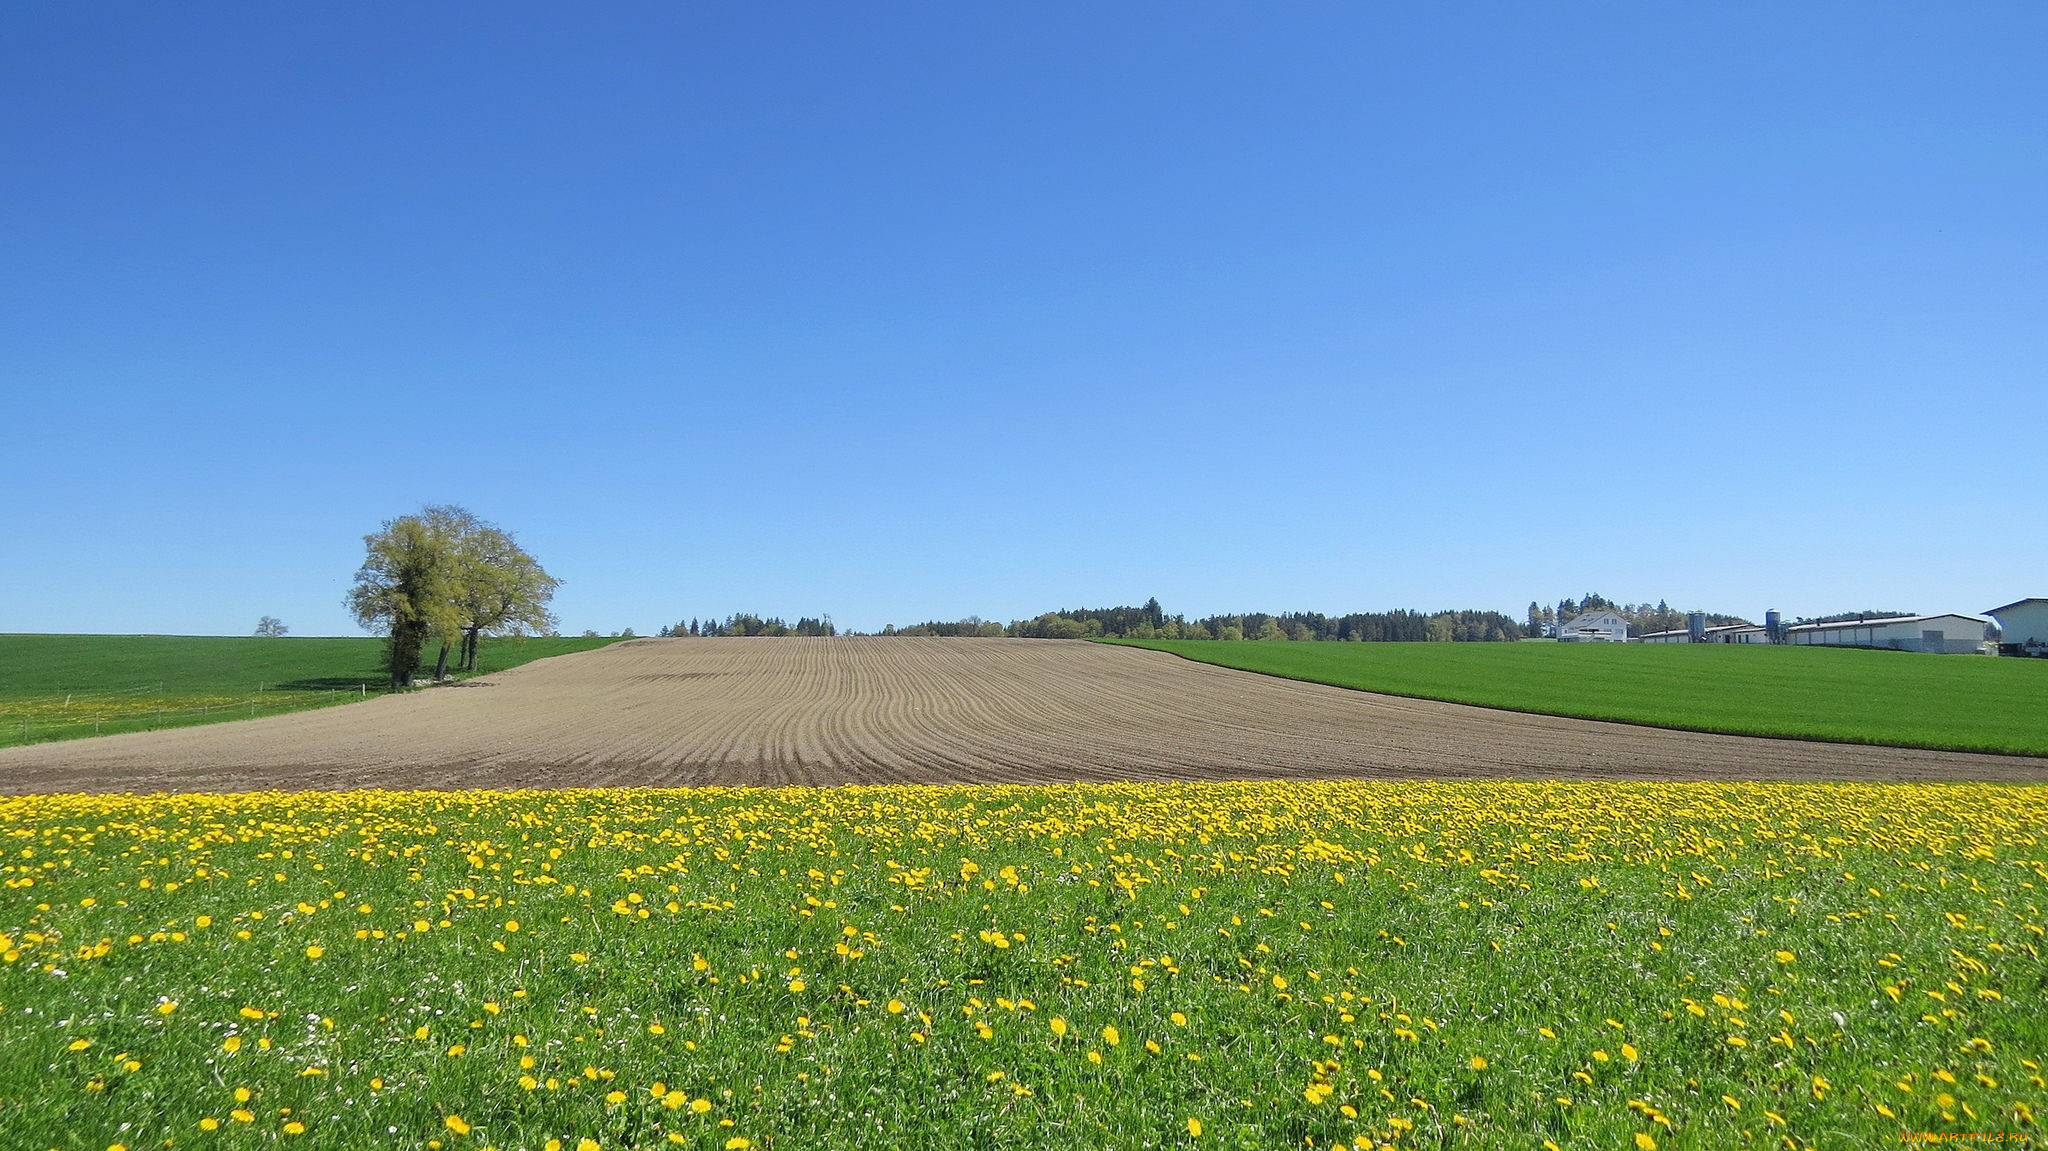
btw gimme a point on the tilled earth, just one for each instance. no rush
(751, 712)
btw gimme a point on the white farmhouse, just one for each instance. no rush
(1594, 627)
(1953, 634)
(2023, 627)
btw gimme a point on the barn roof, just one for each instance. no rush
(1884, 621)
(1710, 631)
(2014, 604)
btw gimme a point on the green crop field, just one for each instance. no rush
(67, 686)
(1900, 698)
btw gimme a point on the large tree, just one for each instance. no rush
(405, 590)
(496, 588)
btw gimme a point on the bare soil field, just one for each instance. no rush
(749, 712)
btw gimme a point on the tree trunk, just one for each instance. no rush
(471, 641)
(441, 663)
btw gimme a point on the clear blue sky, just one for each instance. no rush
(914, 311)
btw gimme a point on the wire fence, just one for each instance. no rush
(108, 712)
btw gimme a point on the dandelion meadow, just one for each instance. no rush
(1303, 964)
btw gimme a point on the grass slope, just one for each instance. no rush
(65, 686)
(1843, 695)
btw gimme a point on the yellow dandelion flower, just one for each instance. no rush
(1195, 1128)
(209, 1124)
(295, 1128)
(1112, 1036)
(897, 1007)
(1058, 1025)
(315, 951)
(1645, 1143)
(700, 1106)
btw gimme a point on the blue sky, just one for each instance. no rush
(917, 311)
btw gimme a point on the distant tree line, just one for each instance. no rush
(748, 625)
(1151, 622)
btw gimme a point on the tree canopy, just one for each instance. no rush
(497, 587)
(446, 574)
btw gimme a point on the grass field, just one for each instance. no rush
(1968, 703)
(66, 686)
(1231, 965)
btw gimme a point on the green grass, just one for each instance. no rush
(1905, 699)
(69, 686)
(1287, 964)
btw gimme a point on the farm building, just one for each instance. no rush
(1594, 627)
(2023, 627)
(1953, 634)
(1725, 633)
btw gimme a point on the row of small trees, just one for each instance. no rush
(748, 624)
(444, 574)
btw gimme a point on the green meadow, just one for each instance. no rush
(1904, 699)
(67, 686)
(1536, 967)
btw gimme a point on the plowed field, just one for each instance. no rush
(870, 710)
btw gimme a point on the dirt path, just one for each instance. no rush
(867, 710)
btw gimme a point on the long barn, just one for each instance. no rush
(1951, 634)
